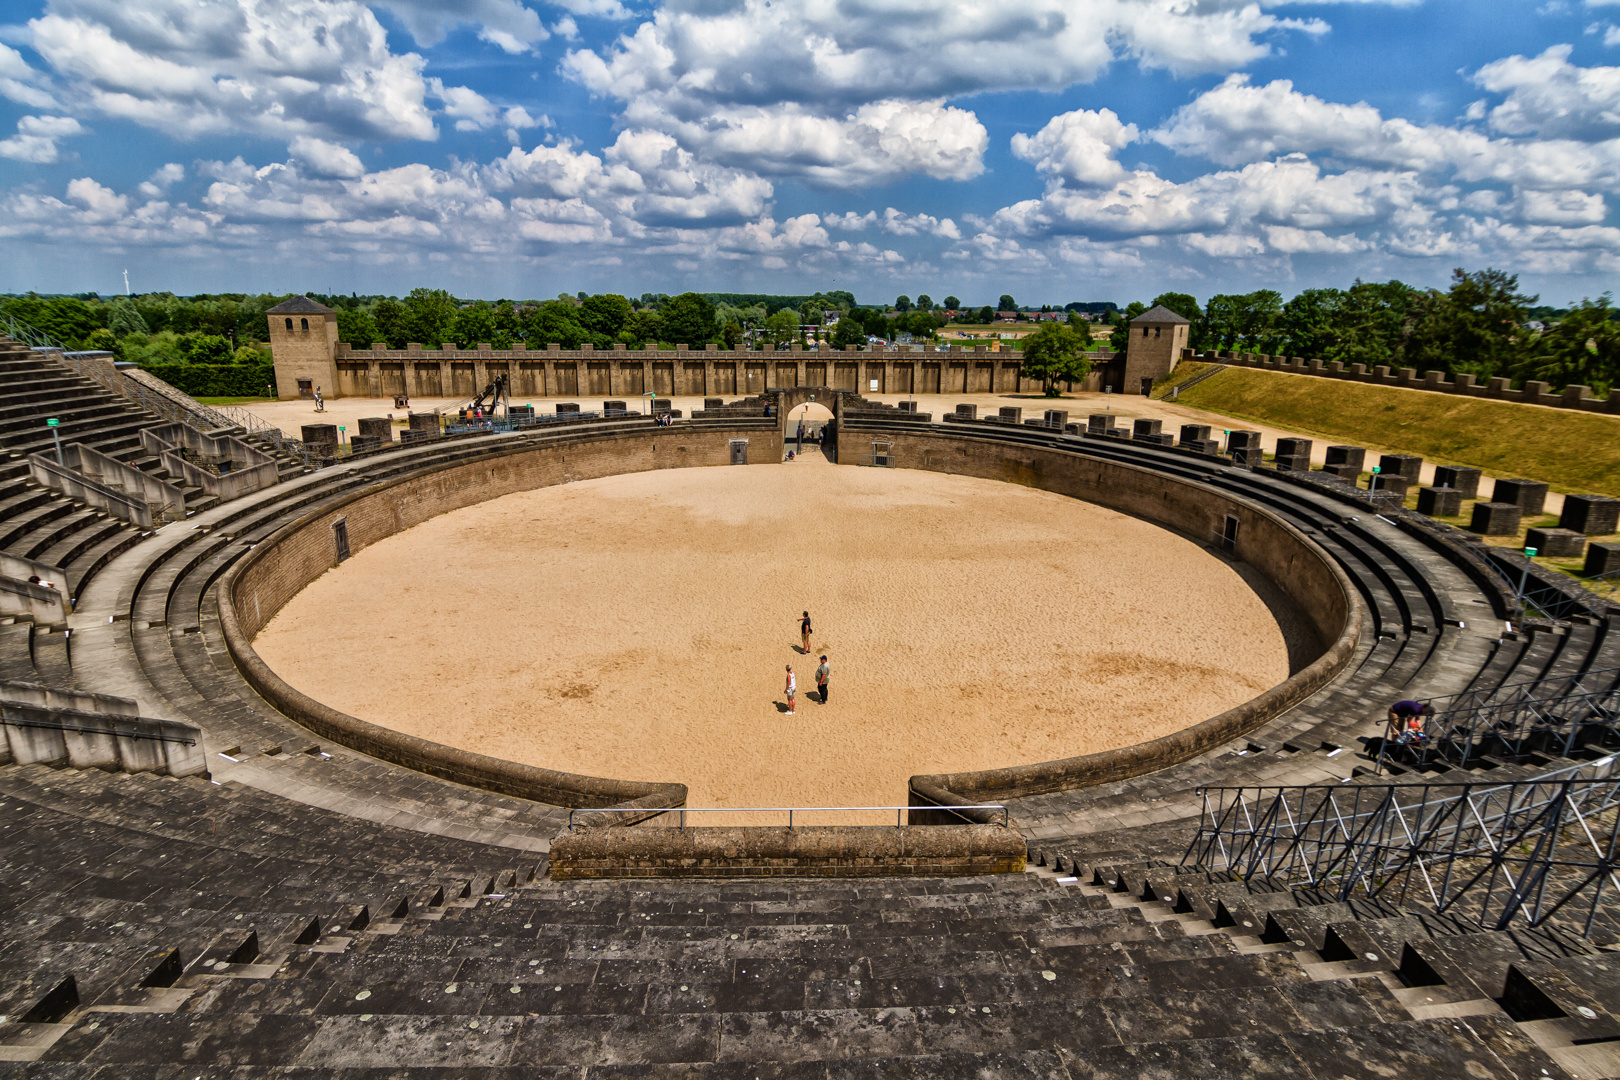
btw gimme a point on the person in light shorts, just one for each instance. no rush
(792, 690)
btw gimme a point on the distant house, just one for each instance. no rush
(830, 318)
(1006, 316)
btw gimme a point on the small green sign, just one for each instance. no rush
(1530, 553)
(1376, 469)
(52, 423)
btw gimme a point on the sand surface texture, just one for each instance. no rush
(639, 626)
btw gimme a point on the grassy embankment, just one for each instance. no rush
(1571, 451)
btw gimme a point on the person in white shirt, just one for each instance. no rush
(792, 689)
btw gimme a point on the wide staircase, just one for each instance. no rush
(311, 909)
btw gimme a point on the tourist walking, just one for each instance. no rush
(805, 632)
(821, 678)
(320, 403)
(792, 690)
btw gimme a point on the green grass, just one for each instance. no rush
(1572, 451)
(233, 400)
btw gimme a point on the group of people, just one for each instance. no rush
(1407, 726)
(823, 673)
(664, 419)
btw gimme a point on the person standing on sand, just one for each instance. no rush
(791, 690)
(805, 632)
(822, 673)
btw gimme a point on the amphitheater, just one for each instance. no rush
(216, 873)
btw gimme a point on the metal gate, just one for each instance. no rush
(739, 451)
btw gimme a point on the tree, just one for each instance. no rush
(1008, 303)
(952, 304)
(475, 325)
(1583, 348)
(645, 326)
(1311, 323)
(902, 303)
(1474, 327)
(605, 314)
(918, 323)
(783, 326)
(123, 319)
(357, 327)
(429, 314)
(987, 314)
(925, 302)
(208, 349)
(849, 330)
(1120, 339)
(688, 319)
(1053, 354)
(1244, 321)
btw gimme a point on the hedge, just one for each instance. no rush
(217, 380)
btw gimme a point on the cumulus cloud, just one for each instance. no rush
(161, 179)
(1078, 146)
(35, 141)
(321, 158)
(1547, 95)
(504, 23)
(895, 223)
(278, 68)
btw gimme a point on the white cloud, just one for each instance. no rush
(1549, 96)
(161, 179)
(322, 158)
(35, 141)
(895, 223)
(504, 23)
(471, 110)
(277, 68)
(20, 83)
(1078, 146)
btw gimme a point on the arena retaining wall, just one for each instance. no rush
(270, 575)
(1288, 558)
(826, 851)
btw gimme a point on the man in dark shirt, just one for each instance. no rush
(822, 674)
(1401, 717)
(804, 632)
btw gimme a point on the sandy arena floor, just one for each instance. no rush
(639, 626)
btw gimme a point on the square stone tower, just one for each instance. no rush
(303, 344)
(1157, 337)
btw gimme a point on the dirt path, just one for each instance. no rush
(638, 626)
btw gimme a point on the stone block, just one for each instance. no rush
(377, 427)
(1495, 519)
(1530, 496)
(1011, 414)
(1348, 455)
(907, 406)
(1294, 447)
(1292, 462)
(714, 403)
(362, 443)
(1194, 432)
(967, 412)
(1155, 438)
(1403, 465)
(1602, 559)
(1202, 446)
(1345, 471)
(660, 405)
(567, 407)
(1245, 455)
(1098, 422)
(1439, 501)
(424, 423)
(1391, 482)
(613, 406)
(319, 434)
(1248, 440)
(1117, 432)
(1458, 477)
(1591, 515)
(1146, 427)
(1057, 417)
(1557, 543)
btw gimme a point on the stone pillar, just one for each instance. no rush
(1529, 496)
(1591, 515)
(1439, 501)
(377, 427)
(1464, 480)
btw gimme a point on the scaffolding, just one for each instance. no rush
(1525, 852)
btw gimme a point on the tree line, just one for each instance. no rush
(1482, 324)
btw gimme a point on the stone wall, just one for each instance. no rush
(1533, 393)
(1283, 554)
(278, 568)
(819, 851)
(710, 372)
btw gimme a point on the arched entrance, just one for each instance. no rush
(802, 424)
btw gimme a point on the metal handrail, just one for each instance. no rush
(791, 810)
(117, 732)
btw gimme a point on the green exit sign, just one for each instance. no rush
(52, 423)
(1529, 553)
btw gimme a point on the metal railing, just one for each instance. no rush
(899, 811)
(121, 733)
(1551, 712)
(1525, 851)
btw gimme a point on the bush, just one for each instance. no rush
(217, 380)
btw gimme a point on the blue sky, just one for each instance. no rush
(1057, 149)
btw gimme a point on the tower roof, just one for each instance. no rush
(302, 305)
(1160, 314)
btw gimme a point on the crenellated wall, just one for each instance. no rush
(1534, 393)
(623, 372)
